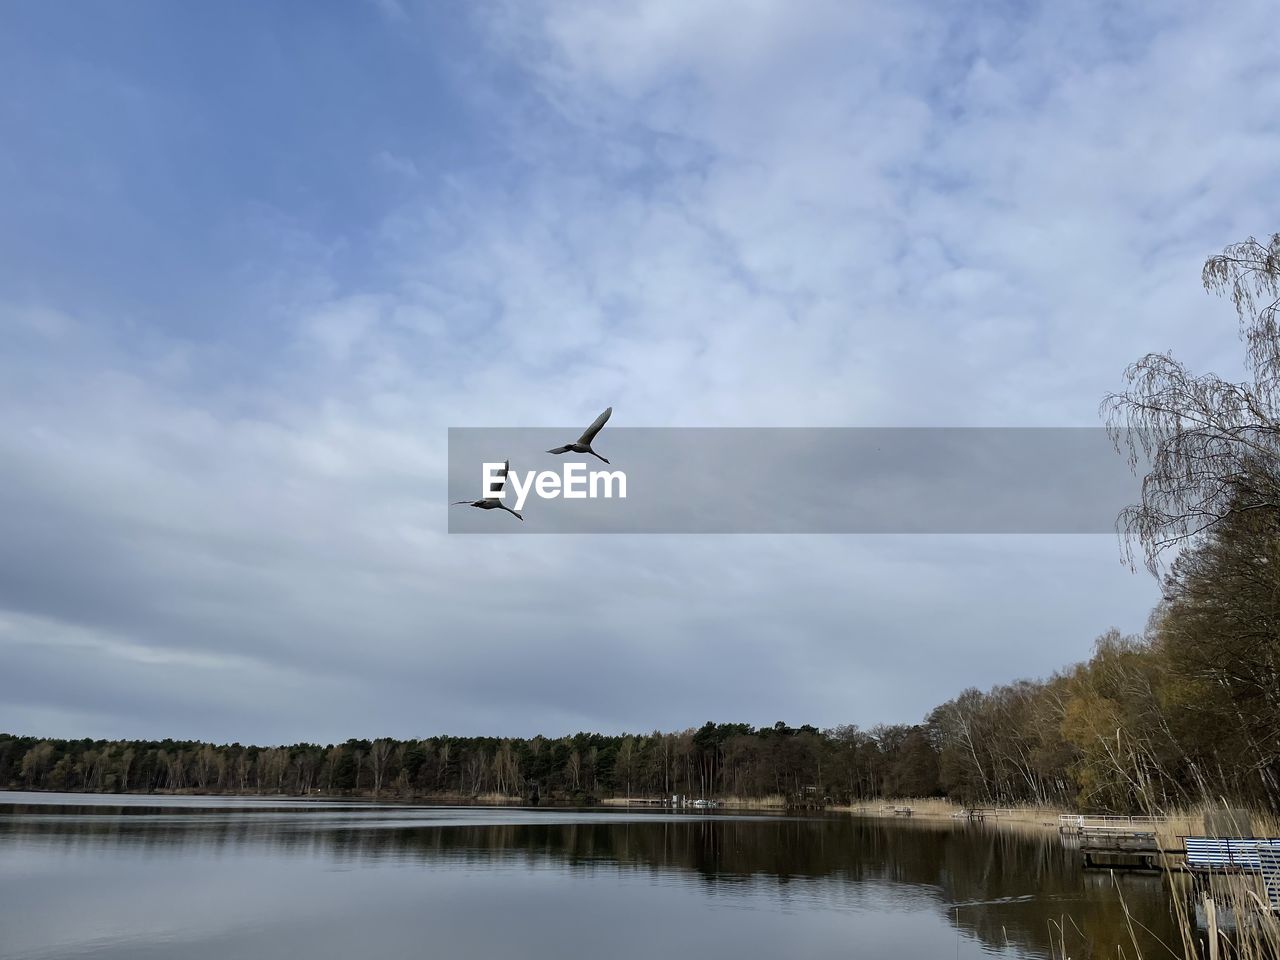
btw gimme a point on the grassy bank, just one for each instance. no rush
(942, 809)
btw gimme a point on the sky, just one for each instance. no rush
(257, 259)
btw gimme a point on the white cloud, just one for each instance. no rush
(707, 214)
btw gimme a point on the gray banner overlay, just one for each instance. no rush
(804, 480)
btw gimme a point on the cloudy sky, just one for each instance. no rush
(256, 259)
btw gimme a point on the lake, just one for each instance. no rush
(196, 877)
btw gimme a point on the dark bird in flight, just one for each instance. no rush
(583, 443)
(492, 503)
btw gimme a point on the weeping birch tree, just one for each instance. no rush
(1210, 446)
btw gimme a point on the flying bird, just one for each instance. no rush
(583, 443)
(492, 503)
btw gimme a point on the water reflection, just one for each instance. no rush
(479, 882)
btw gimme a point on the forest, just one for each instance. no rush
(1188, 710)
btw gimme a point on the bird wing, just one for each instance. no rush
(456, 502)
(564, 449)
(502, 476)
(589, 434)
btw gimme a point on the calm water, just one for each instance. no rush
(145, 877)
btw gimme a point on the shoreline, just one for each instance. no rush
(1173, 823)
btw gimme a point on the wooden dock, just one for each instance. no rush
(1118, 848)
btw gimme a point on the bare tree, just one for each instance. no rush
(126, 762)
(1211, 447)
(206, 764)
(379, 754)
(574, 768)
(626, 761)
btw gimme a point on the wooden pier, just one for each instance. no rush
(1128, 848)
(1117, 843)
(1118, 848)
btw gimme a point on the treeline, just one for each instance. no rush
(717, 759)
